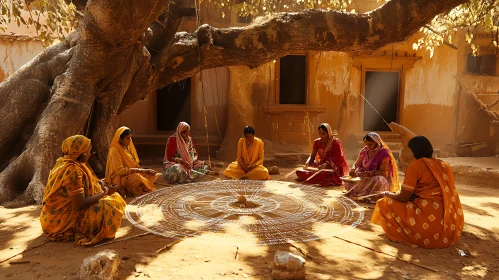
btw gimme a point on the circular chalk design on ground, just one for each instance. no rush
(244, 211)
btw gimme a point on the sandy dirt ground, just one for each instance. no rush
(350, 254)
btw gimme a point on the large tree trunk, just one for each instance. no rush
(114, 60)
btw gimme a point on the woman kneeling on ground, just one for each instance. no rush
(76, 205)
(427, 212)
(123, 167)
(327, 156)
(250, 156)
(181, 164)
(376, 168)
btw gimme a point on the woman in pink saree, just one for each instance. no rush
(327, 155)
(377, 169)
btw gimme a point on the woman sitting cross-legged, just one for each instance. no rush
(123, 167)
(76, 204)
(377, 169)
(327, 155)
(181, 163)
(250, 155)
(427, 212)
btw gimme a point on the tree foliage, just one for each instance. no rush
(53, 19)
(476, 16)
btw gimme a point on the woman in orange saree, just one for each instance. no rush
(76, 205)
(427, 212)
(123, 169)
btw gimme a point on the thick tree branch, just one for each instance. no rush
(34, 80)
(273, 37)
(163, 30)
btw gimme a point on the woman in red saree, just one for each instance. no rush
(327, 155)
(427, 212)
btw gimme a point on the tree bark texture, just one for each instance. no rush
(124, 50)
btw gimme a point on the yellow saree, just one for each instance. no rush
(120, 160)
(254, 155)
(59, 220)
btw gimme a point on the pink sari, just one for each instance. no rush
(374, 184)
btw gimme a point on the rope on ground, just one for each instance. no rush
(381, 252)
(123, 239)
(26, 250)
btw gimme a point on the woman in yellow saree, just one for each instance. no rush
(427, 212)
(76, 205)
(123, 167)
(250, 155)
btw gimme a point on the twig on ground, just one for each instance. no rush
(303, 252)
(381, 252)
(237, 253)
(168, 246)
(19, 262)
(123, 239)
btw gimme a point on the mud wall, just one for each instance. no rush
(430, 96)
(15, 51)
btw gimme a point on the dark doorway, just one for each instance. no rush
(173, 105)
(382, 91)
(292, 83)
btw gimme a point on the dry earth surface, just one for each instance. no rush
(195, 258)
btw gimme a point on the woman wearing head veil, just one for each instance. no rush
(427, 211)
(123, 167)
(76, 204)
(376, 167)
(327, 156)
(181, 163)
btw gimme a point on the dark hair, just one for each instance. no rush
(368, 138)
(323, 127)
(249, 129)
(125, 133)
(421, 147)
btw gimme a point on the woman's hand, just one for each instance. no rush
(105, 190)
(186, 164)
(250, 167)
(353, 173)
(149, 171)
(112, 189)
(365, 174)
(322, 166)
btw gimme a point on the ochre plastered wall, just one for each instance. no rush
(15, 52)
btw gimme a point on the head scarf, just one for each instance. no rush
(127, 161)
(330, 137)
(394, 174)
(75, 145)
(377, 139)
(182, 146)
